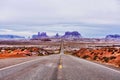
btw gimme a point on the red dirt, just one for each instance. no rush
(109, 55)
(9, 53)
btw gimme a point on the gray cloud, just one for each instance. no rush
(87, 30)
(47, 11)
(86, 16)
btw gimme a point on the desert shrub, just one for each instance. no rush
(31, 50)
(101, 53)
(28, 54)
(92, 53)
(112, 52)
(22, 49)
(112, 57)
(106, 59)
(40, 54)
(85, 56)
(95, 57)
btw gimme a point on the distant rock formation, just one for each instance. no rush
(11, 37)
(67, 35)
(57, 36)
(116, 36)
(40, 35)
(72, 35)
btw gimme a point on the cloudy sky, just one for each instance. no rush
(92, 18)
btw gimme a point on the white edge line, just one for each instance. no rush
(18, 64)
(98, 65)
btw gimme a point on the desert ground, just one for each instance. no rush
(102, 52)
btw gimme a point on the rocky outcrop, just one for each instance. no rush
(40, 35)
(67, 35)
(57, 36)
(116, 36)
(11, 37)
(72, 35)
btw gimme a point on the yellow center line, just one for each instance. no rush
(60, 66)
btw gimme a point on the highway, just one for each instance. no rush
(49, 68)
(58, 67)
(80, 69)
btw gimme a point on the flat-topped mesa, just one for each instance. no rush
(72, 35)
(116, 36)
(67, 35)
(43, 35)
(40, 35)
(11, 37)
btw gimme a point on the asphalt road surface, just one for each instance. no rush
(58, 67)
(79, 69)
(44, 68)
(12, 61)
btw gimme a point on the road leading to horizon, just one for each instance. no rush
(59, 67)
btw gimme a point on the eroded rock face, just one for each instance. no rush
(57, 36)
(116, 36)
(43, 34)
(72, 35)
(40, 35)
(67, 35)
(105, 55)
(11, 37)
